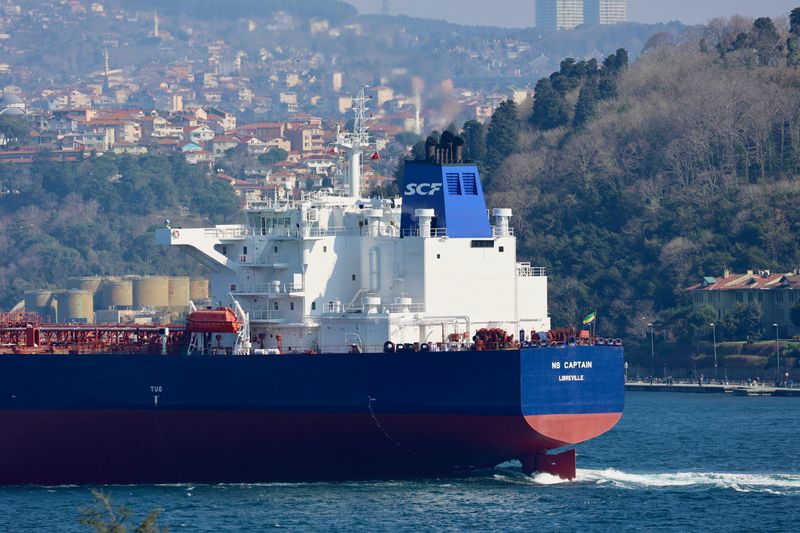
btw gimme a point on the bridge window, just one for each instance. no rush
(482, 244)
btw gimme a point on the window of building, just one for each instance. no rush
(224, 250)
(275, 249)
(324, 249)
(313, 306)
(482, 244)
(354, 277)
(291, 306)
(739, 297)
(749, 296)
(779, 296)
(244, 250)
(275, 304)
(501, 249)
(438, 256)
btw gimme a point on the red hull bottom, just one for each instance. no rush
(98, 447)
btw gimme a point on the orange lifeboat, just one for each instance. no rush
(221, 320)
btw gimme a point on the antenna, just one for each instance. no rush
(353, 143)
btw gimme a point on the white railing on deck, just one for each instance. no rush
(498, 232)
(266, 288)
(414, 232)
(227, 233)
(525, 270)
(263, 314)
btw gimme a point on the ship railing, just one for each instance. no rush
(525, 270)
(266, 288)
(404, 308)
(415, 232)
(338, 308)
(502, 232)
(227, 233)
(269, 259)
(263, 314)
(330, 231)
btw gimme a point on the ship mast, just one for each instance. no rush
(353, 143)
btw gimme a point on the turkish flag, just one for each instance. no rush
(375, 156)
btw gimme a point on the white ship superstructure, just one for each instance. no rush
(335, 272)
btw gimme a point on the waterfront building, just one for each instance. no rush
(774, 293)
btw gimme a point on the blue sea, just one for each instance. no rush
(675, 462)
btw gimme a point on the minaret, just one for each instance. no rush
(385, 10)
(106, 84)
(155, 24)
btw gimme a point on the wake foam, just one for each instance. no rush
(768, 483)
(780, 484)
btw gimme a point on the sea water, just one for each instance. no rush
(675, 462)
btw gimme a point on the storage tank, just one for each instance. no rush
(85, 283)
(115, 295)
(178, 293)
(151, 291)
(42, 302)
(198, 289)
(75, 306)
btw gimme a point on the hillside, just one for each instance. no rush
(629, 183)
(97, 217)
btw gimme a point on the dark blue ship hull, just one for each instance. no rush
(157, 419)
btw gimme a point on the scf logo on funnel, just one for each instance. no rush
(423, 189)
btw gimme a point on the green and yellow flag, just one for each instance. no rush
(591, 317)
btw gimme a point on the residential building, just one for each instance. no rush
(559, 14)
(775, 294)
(605, 11)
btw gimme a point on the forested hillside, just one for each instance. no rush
(629, 182)
(97, 217)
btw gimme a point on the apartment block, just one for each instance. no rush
(559, 14)
(605, 11)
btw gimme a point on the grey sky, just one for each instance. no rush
(519, 13)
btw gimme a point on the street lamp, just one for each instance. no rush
(777, 352)
(652, 350)
(714, 332)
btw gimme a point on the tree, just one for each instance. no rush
(105, 518)
(587, 102)
(766, 41)
(474, 135)
(616, 62)
(502, 138)
(794, 22)
(273, 155)
(698, 321)
(794, 314)
(549, 106)
(14, 129)
(793, 41)
(743, 322)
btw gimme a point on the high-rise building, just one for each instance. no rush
(605, 11)
(559, 14)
